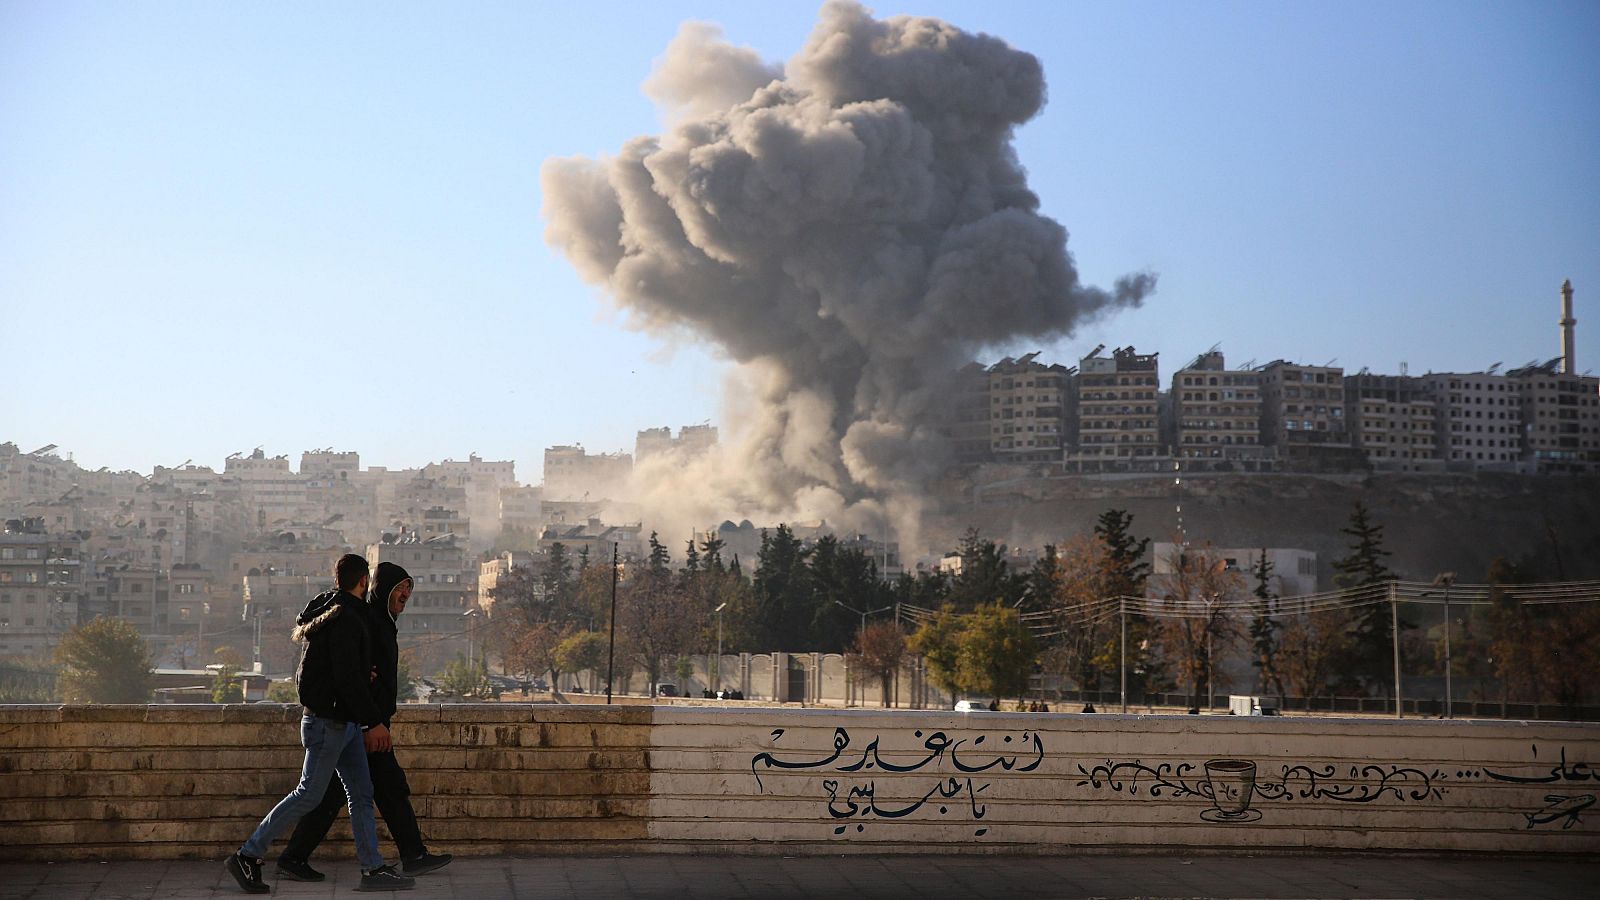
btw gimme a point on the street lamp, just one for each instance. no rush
(863, 613)
(716, 664)
(470, 614)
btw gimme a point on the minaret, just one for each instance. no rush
(1569, 362)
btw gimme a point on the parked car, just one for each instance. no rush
(667, 690)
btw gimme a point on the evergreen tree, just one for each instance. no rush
(691, 560)
(711, 552)
(1125, 574)
(782, 590)
(660, 560)
(985, 577)
(1264, 629)
(1372, 647)
(555, 580)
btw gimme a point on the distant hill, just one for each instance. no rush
(1437, 523)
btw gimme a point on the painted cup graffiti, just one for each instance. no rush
(1232, 782)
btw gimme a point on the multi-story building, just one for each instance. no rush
(1302, 414)
(1118, 422)
(1479, 419)
(440, 521)
(572, 473)
(1027, 409)
(1294, 572)
(481, 481)
(491, 572)
(1017, 410)
(1393, 421)
(596, 537)
(522, 508)
(270, 491)
(691, 440)
(1216, 412)
(1560, 420)
(41, 587)
(1560, 408)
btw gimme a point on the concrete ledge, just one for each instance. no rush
(162, 782)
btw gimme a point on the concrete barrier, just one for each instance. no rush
(162, 782)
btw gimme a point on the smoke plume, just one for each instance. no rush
(849, 228)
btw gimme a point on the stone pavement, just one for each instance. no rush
(922, 877)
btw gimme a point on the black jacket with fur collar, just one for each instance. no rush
(336, 669)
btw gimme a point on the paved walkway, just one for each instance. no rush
(922, 877)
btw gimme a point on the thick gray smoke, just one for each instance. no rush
(850, 228)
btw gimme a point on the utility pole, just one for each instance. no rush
(1122, 613)
(611, 643)
(1394, 617)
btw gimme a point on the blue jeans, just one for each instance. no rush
(330, 747)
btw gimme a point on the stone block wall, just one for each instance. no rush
(137, 782)
(164, 782)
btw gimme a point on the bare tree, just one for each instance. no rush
(1197, 595)
(877, 652)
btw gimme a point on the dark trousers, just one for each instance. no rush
(393, 796)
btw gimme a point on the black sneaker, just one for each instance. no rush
(427, 862)
(385, 878)
(247, 872)
(297, 870)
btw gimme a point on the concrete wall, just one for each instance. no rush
(172, 781)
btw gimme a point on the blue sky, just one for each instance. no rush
(297, 225)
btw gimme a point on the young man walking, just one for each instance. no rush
(391, 590)
(340, 725)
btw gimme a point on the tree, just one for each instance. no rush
(1125, 576)
(1076, 583)
(841, 577)
(1311, 649)
(1264, 628)
(528, 648)
(104, 661)
(877, 653)
(27, 680)
(997, 652)
(660, 561)
(1372, 648)
(283, 692)
(657, 620)
(555, 578)
(782, 591)
(1548, 651)
(939, 642)
(580, 651)
(463, 679)
(225, 687)
(985, 576)
(1197, 595)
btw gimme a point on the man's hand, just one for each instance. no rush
(377, 739)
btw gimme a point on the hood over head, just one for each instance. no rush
(387, 577)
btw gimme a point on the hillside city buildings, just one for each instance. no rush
(197, 558)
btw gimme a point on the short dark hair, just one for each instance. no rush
(349, 570)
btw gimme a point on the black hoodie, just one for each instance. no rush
(335, 672)
(385, 637)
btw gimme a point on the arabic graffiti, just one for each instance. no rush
(860, 801)
(1232, 784)
(1563, 808)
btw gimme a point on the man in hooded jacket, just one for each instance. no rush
(391, 590)
(341, 724)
